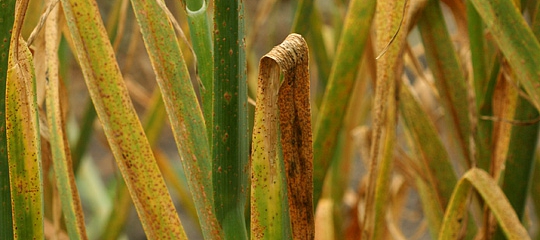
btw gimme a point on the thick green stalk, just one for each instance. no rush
(340, 170)
(230, 144)
(194, 5)
(337, 19)
(7, 16)
(201, 37)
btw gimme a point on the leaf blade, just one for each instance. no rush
(24, 145)
(494, 198)
(283, 148)
(516, 41)
(121, 125)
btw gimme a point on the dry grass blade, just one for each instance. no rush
(292, 97)
(504, 101)
(42, 21)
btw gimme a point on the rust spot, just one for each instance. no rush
(227, 97)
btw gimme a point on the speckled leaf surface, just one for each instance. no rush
(120, 123)
(23, 146)
(282, 142)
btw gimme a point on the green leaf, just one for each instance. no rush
(516, 41)
(230, 143)
(521, 150)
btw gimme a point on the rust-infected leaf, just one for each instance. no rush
(23, 145)
(22, 134)
(121, 125)
(291, 96)
(61, 155)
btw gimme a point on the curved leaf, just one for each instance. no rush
(493, 197)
